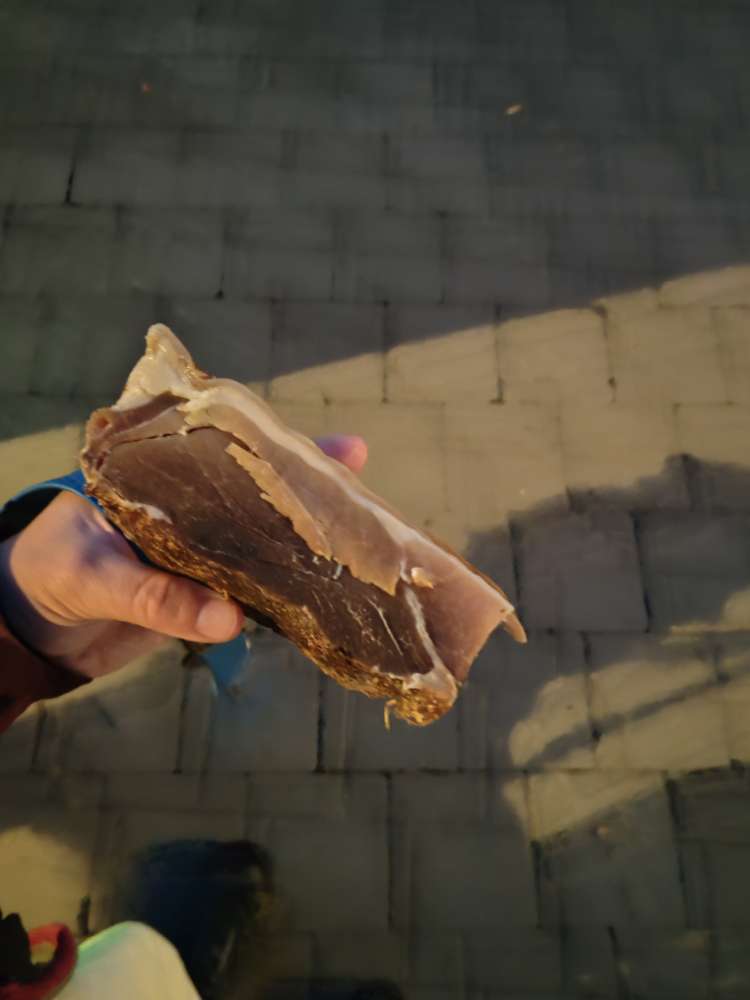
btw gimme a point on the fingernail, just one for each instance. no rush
(217, 620)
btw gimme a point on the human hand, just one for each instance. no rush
(72, 589)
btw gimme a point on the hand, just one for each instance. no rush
(72, 589)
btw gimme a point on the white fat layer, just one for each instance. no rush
(165, 368)
(153, 512)
(439, 679)
(388, 629)
(421, 577)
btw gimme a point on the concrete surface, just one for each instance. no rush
(486, 236)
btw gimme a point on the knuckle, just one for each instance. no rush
(154, 598)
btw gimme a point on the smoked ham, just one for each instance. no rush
(201, 474)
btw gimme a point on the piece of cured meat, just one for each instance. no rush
(202, 475)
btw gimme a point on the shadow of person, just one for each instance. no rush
(627, 716)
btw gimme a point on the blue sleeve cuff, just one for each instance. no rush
(21, 509)
(226, 659)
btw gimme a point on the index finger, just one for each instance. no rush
(349, 449)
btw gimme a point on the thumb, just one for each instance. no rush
(165, 603)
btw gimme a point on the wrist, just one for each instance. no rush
(18, 611)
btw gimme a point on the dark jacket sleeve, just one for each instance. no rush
(26, 678)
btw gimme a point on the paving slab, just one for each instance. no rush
(290, 74)
(624, 304)
(274, 274)
(51, 250)
(386, 81)
(527, 706)
(87, 345)
(46, 865)
(332, 189)
(460, 363)
(515, 960)
(342, 956)
(581, 571)
(39, 438)
(539, 364)
(324, 352)
(519, 160)
(437, 959)
(193, 90)
(224, 334)
(387, 278)
(656, 704)
(435, 157)
(169, 252)
(667, 356)
(286, 110)
(127, 832)
(122, 166)
(198, 710)
(334, 875)
(540, 22)
(695, 569)
(732, 327)
(18, 744)
(21, 317)
(81, 88)
(608, 848)
(357, 737)
(713, 805)
(229, 168)
(421, 32)
(503, 462)
(733, 665)
(512, 289)
(589, 967)
(728, 286)
(461, 860)
(582, 243)
(715, 438)
(663, 964)
(706, 239)
(623, 455)
(390, 234)
(35, 165)
(711, 874)
(280, 229)
(405, 462)
(277, 692)
(129, 721)
(489, 548)
(733, 971)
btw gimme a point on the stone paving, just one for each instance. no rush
(486, 236)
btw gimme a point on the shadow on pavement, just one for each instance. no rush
(626, 832)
